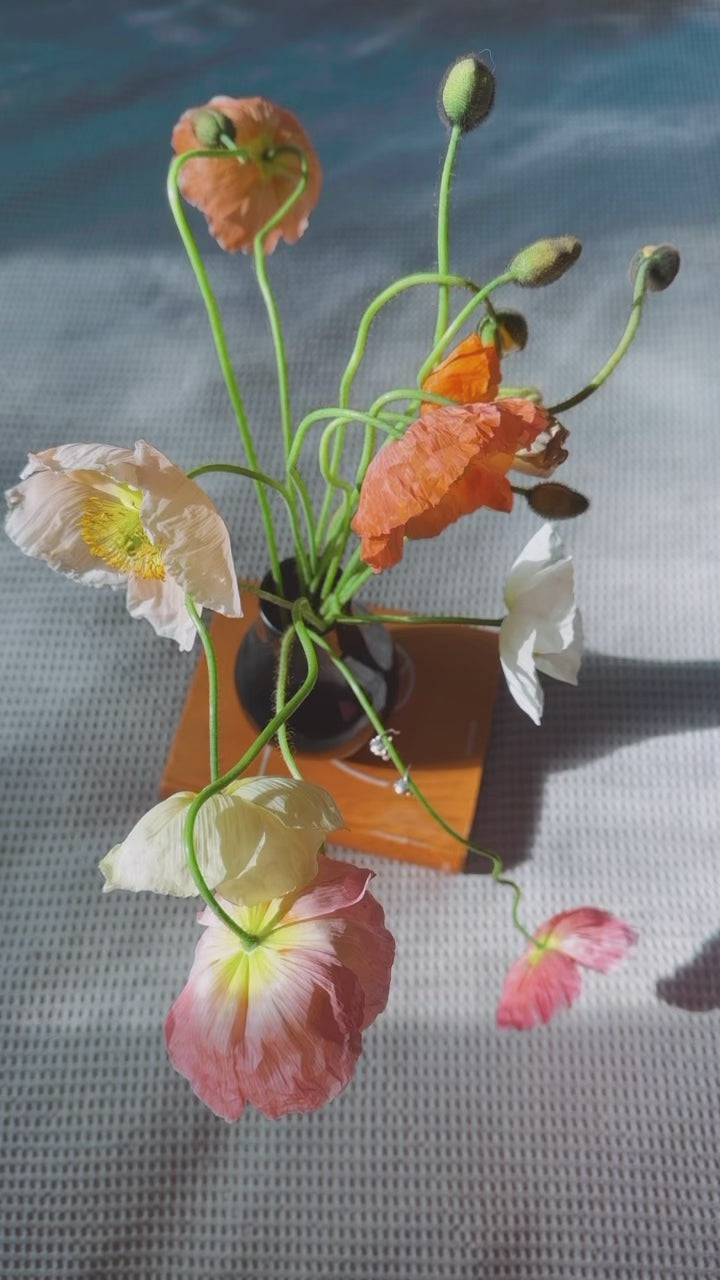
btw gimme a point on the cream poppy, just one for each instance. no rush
(256, 839)
(118, 517)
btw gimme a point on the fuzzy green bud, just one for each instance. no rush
(663, 264)
(544, 261)
(210, 124)
(466, 93)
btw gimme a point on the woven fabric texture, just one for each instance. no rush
(587, 1150)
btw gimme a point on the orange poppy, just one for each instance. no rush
(471, 372)
(448, 463)
(239, 197)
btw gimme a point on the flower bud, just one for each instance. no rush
(555, 501)
(209, 125)
(544, 261)
(663, 264)
(513, 331)
(466, 93)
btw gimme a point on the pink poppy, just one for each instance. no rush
(239, 197)
(547, 977)
(280, 1025)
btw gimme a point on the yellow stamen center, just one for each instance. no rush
(111, 527)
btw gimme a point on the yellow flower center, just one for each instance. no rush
(112, 529)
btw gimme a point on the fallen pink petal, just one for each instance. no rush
(546, 978)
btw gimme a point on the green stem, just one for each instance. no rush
(630, 330)
(443, 251)
(211, 661)
(286, 645)
(271, 728)
(216, 328)
(403, 771)
(424, 619)
(459, 321)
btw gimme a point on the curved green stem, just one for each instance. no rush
(216, 328)
(218, 784)
(212, 674)
(630, 330)
(413, 788)
(281, 680)
(459, 321)
(420, 619)
(443, 251)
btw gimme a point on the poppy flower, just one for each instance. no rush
(256, 839)
(547, 976)
(471, 372)
(112, 517)
(448, 463)
(239, 196)
(280, 1025)
(542, 630)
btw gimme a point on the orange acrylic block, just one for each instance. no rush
(442, 714)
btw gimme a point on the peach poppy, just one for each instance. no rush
(471, 372)
(449, 462)
(119, 517)
(239, 197)
(546, 977)
(280, 1025)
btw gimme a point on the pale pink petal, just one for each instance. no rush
(109, 460)
(44, 521)
(590, 937)
(368, 948)
(162, 603)
(536, 987)
(337, 886)
(184, 522)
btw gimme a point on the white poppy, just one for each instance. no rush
(113, 517)
(542, 630)
(255, 840)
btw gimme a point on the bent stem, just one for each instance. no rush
(636, 307)
(459, 321)
(404, 772)
(213, 314)
(299, 630)
(443, 250)
(260, 478)
(212, 674)
(248, 940)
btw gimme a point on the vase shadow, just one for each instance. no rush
(618, 701)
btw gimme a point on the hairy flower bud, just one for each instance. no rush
(209, 125)
(555, 501)
(663, 264)
(544, 261)
(466, 93)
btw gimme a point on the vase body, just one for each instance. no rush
(330, 721)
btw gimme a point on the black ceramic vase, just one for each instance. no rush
(330, 721)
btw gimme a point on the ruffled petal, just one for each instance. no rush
(152, 857)
(44, 516)
(516, 642)
(162, 603)
(589, 936)
(536, 987)
(470, 373)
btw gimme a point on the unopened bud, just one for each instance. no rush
(466, 93)
(663, 264)
(544, 261)
(510, 332)
(555, 501)
(210, 124)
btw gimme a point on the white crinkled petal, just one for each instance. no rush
(162, 603)
(563, 662)
(182, 520)
(544, 549)
(44, 521)
(516, 645)
(152, 856)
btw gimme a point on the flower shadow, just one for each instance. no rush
(618, 701)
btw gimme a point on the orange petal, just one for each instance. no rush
(470, 373)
